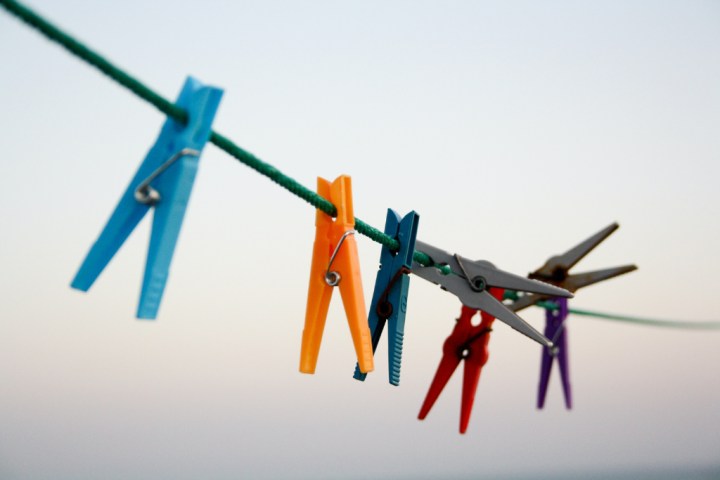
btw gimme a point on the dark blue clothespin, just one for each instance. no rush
(389, 301)
(164, 181)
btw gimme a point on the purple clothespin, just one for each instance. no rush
(556, 271)
(555, 330)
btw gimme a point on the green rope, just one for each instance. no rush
(649, 321)
(274, 174)
(710, 325)
(80, 50)
(511, 295)
(548, 305)
(77, 48)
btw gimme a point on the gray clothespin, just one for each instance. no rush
(469, 281)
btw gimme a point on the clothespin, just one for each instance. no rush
(389, 302)
(335, 263)
(556, 271)
(163, 181)
(555, 329)
(470, 280)
(469, 343)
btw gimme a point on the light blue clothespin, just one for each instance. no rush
(163, 181)
(389, 301)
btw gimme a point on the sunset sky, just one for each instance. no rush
(515, 129)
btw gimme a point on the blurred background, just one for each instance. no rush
(515, 129)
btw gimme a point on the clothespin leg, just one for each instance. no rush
(545, 367)
(319, 294)
(122, 222)
(563, 361)
(167, 222)
(564, 367)
(354, 302)
(552, 323)
(475, 361)
(126, 216)
(376, 323)
(471, 378)
(396, 332)
(376, 326)
(407, 235)
(447, 366)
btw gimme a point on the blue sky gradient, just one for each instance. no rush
(515, 129)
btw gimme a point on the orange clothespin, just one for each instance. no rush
(335, 263)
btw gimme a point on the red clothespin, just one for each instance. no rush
(466, 342)
(335, 263)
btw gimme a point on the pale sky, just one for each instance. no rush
(515, 130)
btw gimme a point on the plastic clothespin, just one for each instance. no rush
(556, 330)
(335, 263)
(389, 302)
(470, 281)
(164, 181)
(467, 342)
(556, 271)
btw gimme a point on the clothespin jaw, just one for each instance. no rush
(469, 343)
(389, 302)
(555, 329)
(164, 182)
(335, 262)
